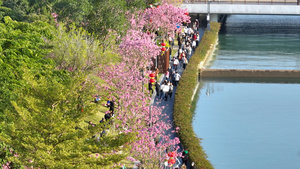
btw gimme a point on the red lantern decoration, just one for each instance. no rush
(163, 49)
(172, 161)
(172, 154)
(150, 20)
(152, 75)
(163, 44)
(152, 80)
(186, 13)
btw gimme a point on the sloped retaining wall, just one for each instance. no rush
(233, 73)
(182, 115)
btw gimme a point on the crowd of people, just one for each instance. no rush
(165, 89)
(188, 40)
(109, 104)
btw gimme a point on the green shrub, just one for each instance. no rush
(182, 114)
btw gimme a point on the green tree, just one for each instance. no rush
(3, 10)
(42, 108)
(45, 128)
(22, 45)
(76, 50)
(112, 16)
(72, 11)
(108, 15)
(41, 6)
(140, 4)
(19, 9)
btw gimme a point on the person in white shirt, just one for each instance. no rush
(191, 32)
(186, 30)
(180, 51)
(177, 78)
(197, 40)
(197, 24)
(185, 62)
(175, 63)
(194, 45)
(188, 33)
(166, 91)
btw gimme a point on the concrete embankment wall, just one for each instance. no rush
(233, 73)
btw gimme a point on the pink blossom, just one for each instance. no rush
(124, 80)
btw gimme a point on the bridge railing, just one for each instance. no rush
(254, 2)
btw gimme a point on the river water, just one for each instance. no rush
(252, 124)
(259, 42)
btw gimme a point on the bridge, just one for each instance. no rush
(215, 8)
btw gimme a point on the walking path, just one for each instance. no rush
(168, 105)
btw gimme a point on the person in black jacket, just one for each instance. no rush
(185, 157)
(157, 86)
(170, 90)
(170, 73)
(107, 116)
(112, 107)
(150, 87)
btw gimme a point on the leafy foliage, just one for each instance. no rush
(74, 11)
(45, 130)
(41, 108)
(22, 45)
(108, 15)
(44, 92)
(75, 50)
(19, 9)
(7, 151)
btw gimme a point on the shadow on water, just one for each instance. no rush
(196, 97)
(251, 24)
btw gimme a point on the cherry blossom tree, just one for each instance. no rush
(124, 81)
(165, 18)
(138, 47)
(134, 115)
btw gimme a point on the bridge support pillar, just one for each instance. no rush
(211, 18)
(214, 17)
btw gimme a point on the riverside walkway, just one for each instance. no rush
(167, 106)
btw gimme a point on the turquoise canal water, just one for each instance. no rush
(258, 42)
(249, 124)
